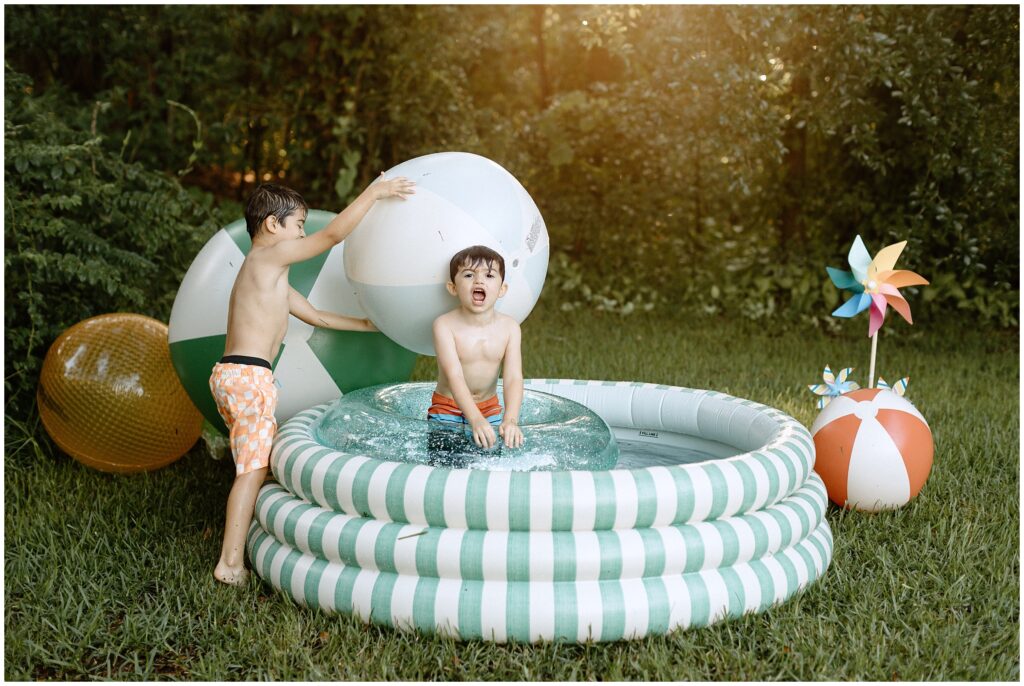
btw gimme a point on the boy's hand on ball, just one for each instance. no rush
(398, 187)
(483, 434)
(512, 434)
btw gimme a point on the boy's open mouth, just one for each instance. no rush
(479, 295)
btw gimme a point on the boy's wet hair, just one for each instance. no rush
(473, 256)
(271, 199)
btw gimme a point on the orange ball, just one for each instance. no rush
(109, 396)
(874, 450)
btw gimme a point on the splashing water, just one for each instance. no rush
(389, 423)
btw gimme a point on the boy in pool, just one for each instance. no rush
(261, 300)
(473, 342)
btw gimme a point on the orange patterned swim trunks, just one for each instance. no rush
(246, 399)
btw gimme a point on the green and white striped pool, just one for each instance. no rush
(569, 556)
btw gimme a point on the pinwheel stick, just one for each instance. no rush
(871, 370)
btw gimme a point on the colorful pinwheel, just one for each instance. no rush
(874, 283)
(899, 388)
(833, 386)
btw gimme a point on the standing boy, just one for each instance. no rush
(473, 342)
(261, 300)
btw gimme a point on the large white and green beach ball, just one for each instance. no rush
(314, 365)
(397, 258)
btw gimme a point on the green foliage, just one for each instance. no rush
(85, 233)
(694, 156)
(735, 152)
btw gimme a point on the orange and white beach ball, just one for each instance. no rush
(874, 449)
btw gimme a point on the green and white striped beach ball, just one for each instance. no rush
(314, 365)
(397, 258)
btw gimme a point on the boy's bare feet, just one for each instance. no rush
(230, 567)
(231, 576)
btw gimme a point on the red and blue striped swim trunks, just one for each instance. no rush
(445, 411)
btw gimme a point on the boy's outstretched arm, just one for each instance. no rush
(304, 311)
(449, 362)
(512, 383)
(290, 252)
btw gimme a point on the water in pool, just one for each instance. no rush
(636, 454)
(388, 423)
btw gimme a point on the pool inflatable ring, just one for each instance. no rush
(389, 422)
(572, 555)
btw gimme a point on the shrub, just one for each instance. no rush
(85, 233)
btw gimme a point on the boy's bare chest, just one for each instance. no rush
(480, 345)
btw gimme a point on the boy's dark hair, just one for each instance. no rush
(271, 199)
(474, 255)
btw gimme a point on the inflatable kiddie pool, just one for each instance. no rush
(712, 511)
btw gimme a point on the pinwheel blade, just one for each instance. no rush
(902, 277)
(818, 388)
(843, 374)
(854, 306)
(900, 304)
(859, 260)
(888, 289)
(877, 313)
(885, 260)
(844, 280)
(899, 388)
(828, 376)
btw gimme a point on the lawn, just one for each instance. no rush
(110, 577)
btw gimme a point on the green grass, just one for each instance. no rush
(110, 577)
